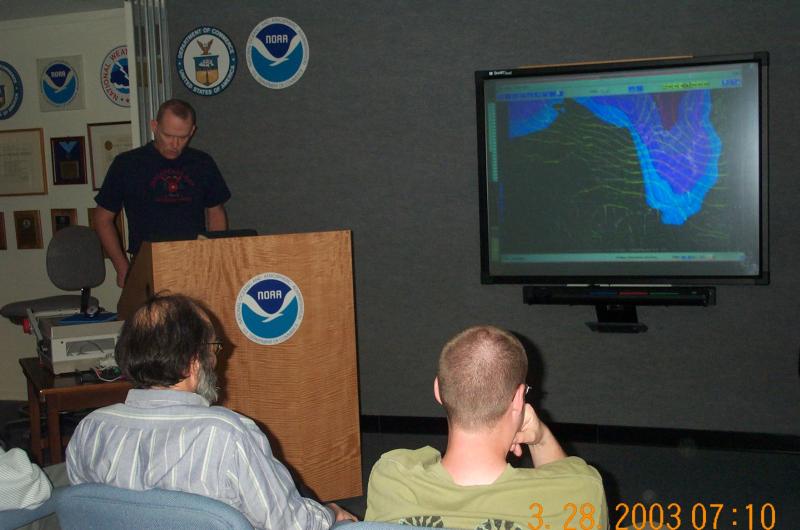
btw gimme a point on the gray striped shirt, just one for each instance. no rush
(174, 440)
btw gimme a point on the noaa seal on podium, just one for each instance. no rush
(269, 308)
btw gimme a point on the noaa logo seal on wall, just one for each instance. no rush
(114, 77)
(10, 90)
(277, 52)
(269, 308)
(59, 83)
(206, 61)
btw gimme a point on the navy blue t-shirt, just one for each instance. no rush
(163, 199)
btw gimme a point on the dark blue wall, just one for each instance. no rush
(379, 137)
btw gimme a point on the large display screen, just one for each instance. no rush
(641, 172)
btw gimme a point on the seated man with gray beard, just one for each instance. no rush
(166, 435)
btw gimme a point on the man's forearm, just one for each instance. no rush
(546, 450)
(217, 218)
(107, 232)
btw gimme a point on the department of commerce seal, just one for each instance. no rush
(10, 90)
(269, 308)
(114, 77)
(277, 52)
(59, 83)
(206, 61)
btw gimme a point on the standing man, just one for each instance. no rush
(167, 435)
(481, 385)
(168, 190)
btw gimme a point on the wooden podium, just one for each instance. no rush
(302, 392)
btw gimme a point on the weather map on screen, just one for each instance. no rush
(675, 141)
(641, 172)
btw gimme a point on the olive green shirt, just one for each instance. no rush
(412, 487)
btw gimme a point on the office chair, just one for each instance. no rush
(12, 519)
(102, 507)
(74, 263)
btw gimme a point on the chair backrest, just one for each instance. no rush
(102, 507)
(75, 259)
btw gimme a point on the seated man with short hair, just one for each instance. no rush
(166, 435)
(481, 384)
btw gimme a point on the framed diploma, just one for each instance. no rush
(69, 160)
(107, 140)
(63, 217)
(28, 226)
(22, 166)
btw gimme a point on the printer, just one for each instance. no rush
(67, 341)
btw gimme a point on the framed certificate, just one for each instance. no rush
(22, 166)
(63, 217)
(106, 141)
(3, 245)
(69, 160)
(28, 226)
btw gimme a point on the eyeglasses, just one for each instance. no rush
(216, 347)
(527, 391)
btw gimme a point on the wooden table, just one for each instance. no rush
(57, 393)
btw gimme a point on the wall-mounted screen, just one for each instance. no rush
(631, 172)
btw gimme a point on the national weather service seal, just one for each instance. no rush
(114, 76)
(10, 90)
(206, 61)
(269, 308)
(277, 52)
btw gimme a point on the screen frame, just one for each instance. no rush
(482, 76)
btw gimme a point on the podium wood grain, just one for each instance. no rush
(304, 391)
